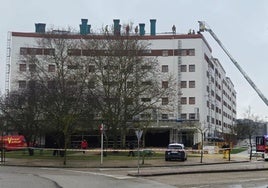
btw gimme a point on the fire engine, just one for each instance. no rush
(13, 142)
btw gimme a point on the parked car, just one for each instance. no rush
(175, 151)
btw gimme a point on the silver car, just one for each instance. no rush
(175, 151)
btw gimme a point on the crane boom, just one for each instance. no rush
(204, 27)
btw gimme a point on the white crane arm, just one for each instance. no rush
(204, 27)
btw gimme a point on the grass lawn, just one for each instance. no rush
(237, 150)
(78, 155)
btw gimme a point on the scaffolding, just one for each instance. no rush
(179, 79)
(8, 56)
(174, 131)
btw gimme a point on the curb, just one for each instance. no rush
(194, 172)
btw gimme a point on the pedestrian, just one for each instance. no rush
(55, 149)
(131, 147)
(224, 147)
(84, 145)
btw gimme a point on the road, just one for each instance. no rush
(25, 177)
(217, 180)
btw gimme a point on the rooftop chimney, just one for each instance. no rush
(40, 27)
(84, 28)
(153, 22)
(117, 27)
(142, 29)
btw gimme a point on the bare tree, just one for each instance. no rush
(64, 80)
(248, 127)
(23, 113)
(127, 78)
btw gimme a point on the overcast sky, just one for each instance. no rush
(241, 25)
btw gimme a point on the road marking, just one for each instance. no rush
(119, 177)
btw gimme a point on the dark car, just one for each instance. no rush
(175, 151)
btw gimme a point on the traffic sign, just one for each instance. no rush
(139, 134)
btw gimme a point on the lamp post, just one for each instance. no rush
(2, 144)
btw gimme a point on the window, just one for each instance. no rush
(22, 84)
(145, 99)
(91, 84)
(191, 84)
(146, 116)
(23, 67)
(111, 100)
(147, 83)
(21, 101)
(164, 101)
(212, 106)
(183, 84)
(192, 116)
(23, 51)
(33, 51)
(183, 116)
(191, 68)
(51, 84)
(164, 116)
(110, 83)
(212, 92)
(164, 68)
(31, 84)
(165, 53)
(191, 52)
(183, 68)
(212, 79)
(212, 120)
(146, 67)
(129, 84)
(32, 67)
(109, 67)
(129, 101)
(72, 66)
(51, 68)
(71, 83)
(191, 100)
(208, 119)
(183, 100)
(91, 68)
(164, 84)
(183, 52)
(218, 97)
(49, 51)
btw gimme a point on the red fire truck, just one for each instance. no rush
(262, 145)
(13, 142)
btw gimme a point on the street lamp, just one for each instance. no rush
(2, 144)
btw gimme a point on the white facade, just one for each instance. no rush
(204, 94)
(207, 95)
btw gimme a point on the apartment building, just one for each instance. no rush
(204, 103)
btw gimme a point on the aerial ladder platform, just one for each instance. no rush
(204, 27)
